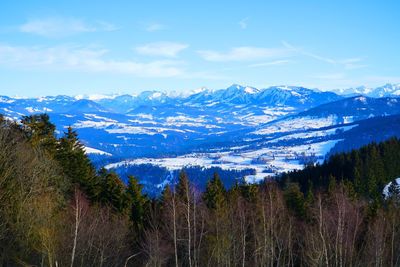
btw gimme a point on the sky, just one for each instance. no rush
(105, 47)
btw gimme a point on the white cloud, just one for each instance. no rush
(75, 58)
(152, 27)
(270, 63)
(320, 58)
(165, 49)
(61, 27)
(243, 23)
(353, 63)
(347, 63)
(244, 53)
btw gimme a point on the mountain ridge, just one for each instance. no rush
(260, 132)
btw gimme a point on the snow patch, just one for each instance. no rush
(386, 188)
(90, 150)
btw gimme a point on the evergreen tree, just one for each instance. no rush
(310, 195)
(358, 184)
(214, 196)
(40, 131)
(76, 165)
(166, 194)
(113, 190)
(182, 188)
(376, 172)
(295, 200)
(332, 184)
(249, 192)
(137, 202)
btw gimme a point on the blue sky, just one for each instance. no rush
(88, 47)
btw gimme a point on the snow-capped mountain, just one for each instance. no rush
(297, 97)
(342, 111)
(386, 90)
(381, 91)
(241, 130)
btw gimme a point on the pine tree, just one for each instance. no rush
(40, 131)
(166, 194)
(113, 190)
(295, 200)
(137, 202)
(76, 165)
(182, 186)
(358, 185)
(214, 196)
(332, 184)
(375, 173)
(249, 192)
(310, 195)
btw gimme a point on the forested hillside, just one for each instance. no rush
(366, 170)
(56, 209)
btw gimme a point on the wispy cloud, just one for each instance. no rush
(164, 49)
(270, 63)
(347, 63)
(353, 63)
(61, 27)
(155, 26)
(244, 53)
(243, 23)
(330, 76)
(86, 59)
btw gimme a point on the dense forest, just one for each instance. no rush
(56, 209)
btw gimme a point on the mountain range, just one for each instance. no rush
(241, 131)
(381, 91)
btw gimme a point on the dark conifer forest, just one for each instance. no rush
(57, 209)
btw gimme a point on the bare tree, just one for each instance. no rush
(188, 221)
(155, 244)
(332, 240)
(80, 209)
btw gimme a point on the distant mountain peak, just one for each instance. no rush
(389, 89)
(283, 87)
(251, 90)
(200, 90)
(235, 86)
(96, 97)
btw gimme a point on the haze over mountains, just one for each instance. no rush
(244, 131)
